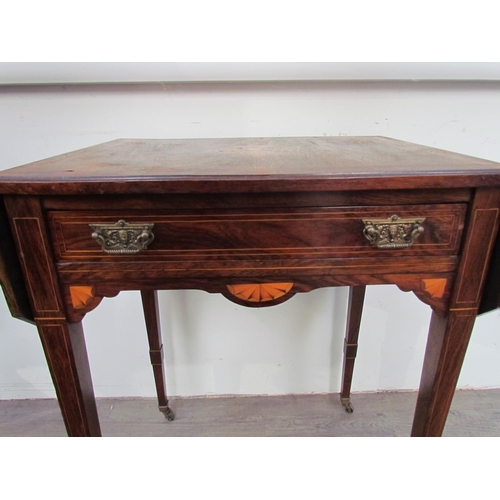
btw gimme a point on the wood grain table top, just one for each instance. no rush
(249, 164)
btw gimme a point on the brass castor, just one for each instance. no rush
(168, 413)
(346, 403)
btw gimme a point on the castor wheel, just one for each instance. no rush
(168, 413)
(346, 403)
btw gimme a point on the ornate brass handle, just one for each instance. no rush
(393, 232)
(122, 237)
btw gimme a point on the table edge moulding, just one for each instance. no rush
(257, 220)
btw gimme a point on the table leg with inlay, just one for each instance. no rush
(151, 316)
(449, 335)
(62, 340)
(354, 313)
(64, 347)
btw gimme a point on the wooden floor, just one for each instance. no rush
(473, 413)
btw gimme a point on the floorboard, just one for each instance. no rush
(473, 413)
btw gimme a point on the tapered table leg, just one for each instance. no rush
(152, 318)
(64, 347)
(449, 336)
(354, 313)
(445, 352)
(63, 342)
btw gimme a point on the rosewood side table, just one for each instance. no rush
(257, 220)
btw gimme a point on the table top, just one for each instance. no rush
(249, 165)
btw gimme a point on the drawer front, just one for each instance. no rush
(303, 234)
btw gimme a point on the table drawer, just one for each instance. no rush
(308, 233)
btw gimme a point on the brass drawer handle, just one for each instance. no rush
(122, 237)
(393, 232)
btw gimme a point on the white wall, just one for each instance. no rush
(214, 346)
(134, 72)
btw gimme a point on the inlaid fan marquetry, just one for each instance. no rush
(434, 287)
(81, 295)
(260, 292)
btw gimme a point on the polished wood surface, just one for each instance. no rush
(153, 327)
(243, 165)
(229, 234)
(354, 314)
(11, 279)
(239, 217)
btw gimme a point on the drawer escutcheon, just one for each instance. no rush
(393, 232)
(122, 237)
